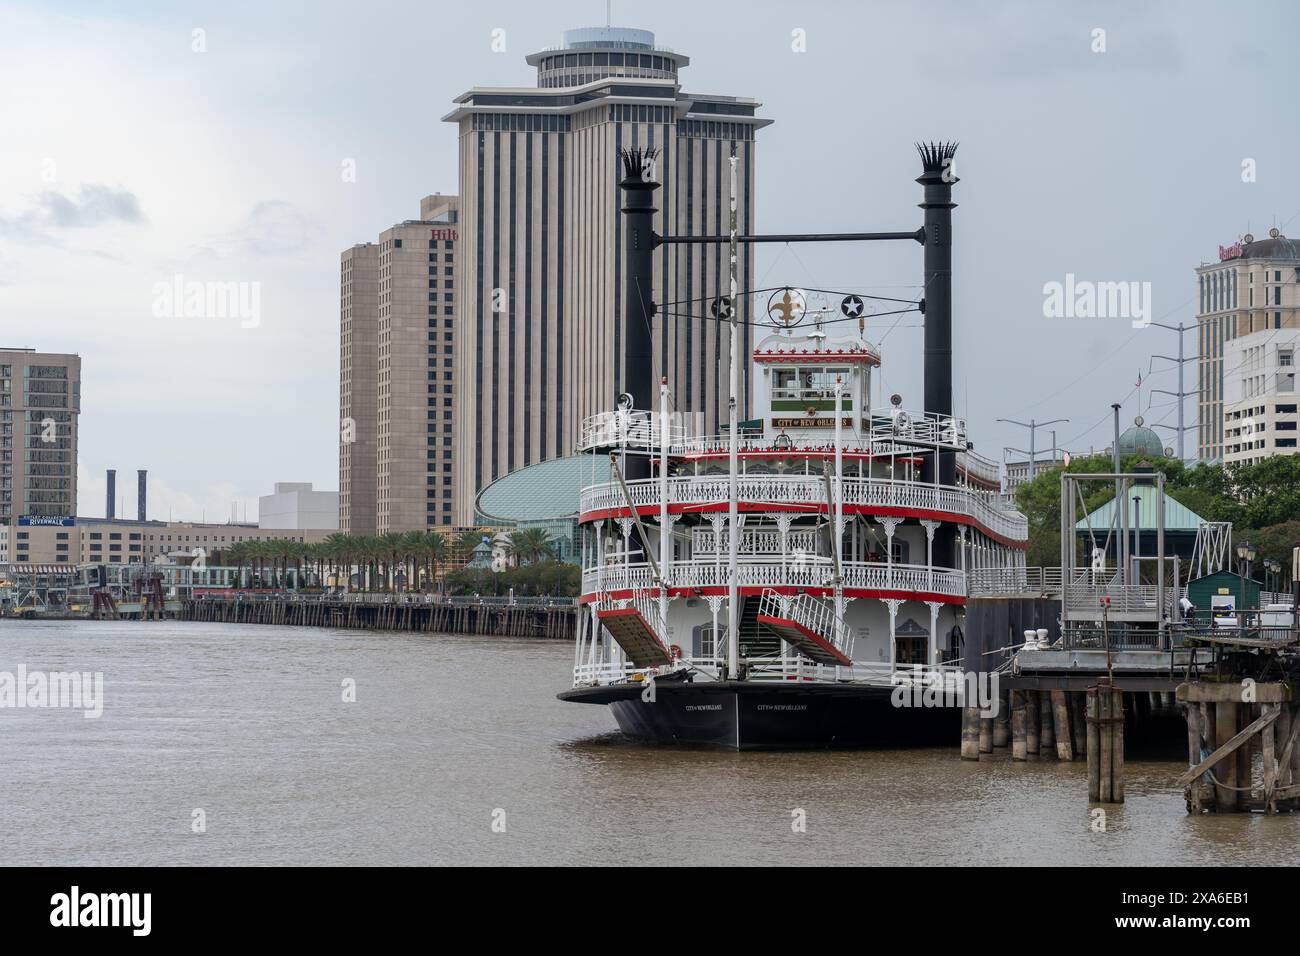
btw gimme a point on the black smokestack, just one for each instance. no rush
(634, 368)
(110, 509)
(937, 177)
(140, 495)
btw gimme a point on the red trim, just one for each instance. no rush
(750, 506)
(795, 453)
(756, 591)
(815, 638)
(618, 612)
(820, 357)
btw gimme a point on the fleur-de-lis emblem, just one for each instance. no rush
(786, 307)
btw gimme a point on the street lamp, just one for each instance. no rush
(1245, 558)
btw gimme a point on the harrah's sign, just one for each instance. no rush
(444, 234)
(1234, 251)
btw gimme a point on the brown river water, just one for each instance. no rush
(455, 751)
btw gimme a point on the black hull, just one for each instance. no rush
(763, 715)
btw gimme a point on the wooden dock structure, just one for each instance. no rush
(552, 620)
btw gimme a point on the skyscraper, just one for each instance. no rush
(540, 276)
(397, 324)
(358, 387)
(1251, 289)
(40, 400)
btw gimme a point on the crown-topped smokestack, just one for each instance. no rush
(939, 172)
(634, 367)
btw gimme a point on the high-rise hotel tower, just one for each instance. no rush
(540, 273)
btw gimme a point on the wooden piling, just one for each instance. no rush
(1061, 721)
(1019, 746)
(1046, 722)
(986, 734)
(1033, 720)
(1225, 728)
(1002, 722)
(970, 733)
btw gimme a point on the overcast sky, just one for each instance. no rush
(128, 158)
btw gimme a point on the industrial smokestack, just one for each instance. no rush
(110, 509)
(140, 496)
(634, 372)
(937, 177)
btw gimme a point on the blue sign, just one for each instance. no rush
(47, 521)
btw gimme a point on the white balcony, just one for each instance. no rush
(813, 572)
(809, 491)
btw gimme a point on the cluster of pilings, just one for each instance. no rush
(523, 620)
(1033, 723)
(1233, 728)
(1066, 724)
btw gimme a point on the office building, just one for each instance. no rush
(541, 277)
(1252, 288)
(40, 400)
(397, 379)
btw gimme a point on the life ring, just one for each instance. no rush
(674, 652)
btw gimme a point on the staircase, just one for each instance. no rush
(637, 627)
(756, 639)
(808, 624)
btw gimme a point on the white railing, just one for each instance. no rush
(814, 572)
(1014, 580)
(755, 541)
(1119, 599)
(945, 677)
(977, 466)
(630, 429)
(812, 613)
(811, 491)
(885, 435)
(645, 605)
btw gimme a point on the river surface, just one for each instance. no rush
(449, 734)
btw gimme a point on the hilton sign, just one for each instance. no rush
(1234, 251)
(445, 234)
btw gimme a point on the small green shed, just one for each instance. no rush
(1245, 591)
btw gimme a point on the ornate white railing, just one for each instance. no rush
(808, 573)
(883, 434)
(810, 491)
(631, 429)
(815, 614)
(755, 541)
(948, 677)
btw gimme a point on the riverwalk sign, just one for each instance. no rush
(54, 521)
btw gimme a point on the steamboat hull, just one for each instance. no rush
(763, 715)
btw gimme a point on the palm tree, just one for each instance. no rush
(436, 556)
(530, 545)
(466, 542)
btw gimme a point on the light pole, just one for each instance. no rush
(1033, 426)
(1180, 328)
(1137, 537)
(1245, 558)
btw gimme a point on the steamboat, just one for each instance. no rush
(790, 583)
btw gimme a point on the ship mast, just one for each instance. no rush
(733, 509)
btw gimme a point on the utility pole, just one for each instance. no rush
(1181, 394)
(1033, 427)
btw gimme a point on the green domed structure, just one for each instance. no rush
(1140, 440)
